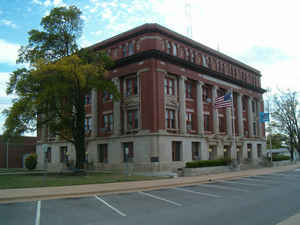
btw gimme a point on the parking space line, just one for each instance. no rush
(38, 213)
(159, 198)
(289, 175)
(234, 182)
(110, 206)
(222, 187)
(253, 179)
(282, 175)
(197, 192)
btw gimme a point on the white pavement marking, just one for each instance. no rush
(256, 180)
(283, 175)
(297, 170)
(159, 198)
(234, 182)
(110, 206)
(197, 192)
(222, 187)
(38, 213)
(290, 175)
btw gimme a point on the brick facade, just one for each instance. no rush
(168, 84)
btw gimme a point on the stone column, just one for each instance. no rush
(94, 112)
(200, 118)
(259, 124)
(229, 121)
(250, 116)
(215, 112)
(240, 114)
(116, 111)
(182, 104)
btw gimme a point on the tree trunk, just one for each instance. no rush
(79, 134)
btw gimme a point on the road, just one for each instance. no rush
(258, 200)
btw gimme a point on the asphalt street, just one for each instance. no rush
(258, 200)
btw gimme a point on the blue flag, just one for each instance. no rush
(264, 117)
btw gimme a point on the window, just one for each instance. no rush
(187, 54)
(48, 155)
(249, 150)
(88, 124)
(108, 122)
(192, 57)
(168, 47)
(102, 153)
(132, 119)
(63, 153)
(128, 152)
(206, 122)
(189, 121)
(169, 86)
(176, 145)
(205, 93)
(259, 151)
(244, 103)
(188, 89)
(131, 48)
(221, 92)
(170, 119)
(124, 50)
(195, 151)
(174, 49)
(209, 62)
(253, 106)
(106, 96)
(254, 128)
(204, 61)
(87, 99)
(131, 86)
(222, 123)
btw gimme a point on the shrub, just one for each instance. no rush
(208, 163)
(280, 157)
(31, 161)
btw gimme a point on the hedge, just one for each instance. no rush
(208, 163)
(280, 157)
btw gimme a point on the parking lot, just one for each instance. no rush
(264, 199)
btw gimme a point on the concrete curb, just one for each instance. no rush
(30, 194)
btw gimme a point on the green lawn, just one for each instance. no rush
(38, 180)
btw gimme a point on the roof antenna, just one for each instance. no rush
(188, 16)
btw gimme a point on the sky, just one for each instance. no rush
(263, 34)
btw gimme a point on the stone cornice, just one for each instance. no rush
(155, 28)
(156, 54)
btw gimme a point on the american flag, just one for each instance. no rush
(224, 101)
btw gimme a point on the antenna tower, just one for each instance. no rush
(188, 16)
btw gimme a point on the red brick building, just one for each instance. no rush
(166, 114)
(17, 151)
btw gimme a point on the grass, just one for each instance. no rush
(38, 180)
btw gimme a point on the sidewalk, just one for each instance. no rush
(30, 194)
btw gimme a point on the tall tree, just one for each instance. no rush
(52, 91)
(286, 114)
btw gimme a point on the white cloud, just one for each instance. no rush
(37, 2)
(9, 52)
(57, 3)
(8, 23)
(47, 3)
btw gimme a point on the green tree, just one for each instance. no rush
(286, 115)
(52, 91)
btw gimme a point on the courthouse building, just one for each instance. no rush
(166, 115)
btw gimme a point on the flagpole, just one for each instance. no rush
(233, 126)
